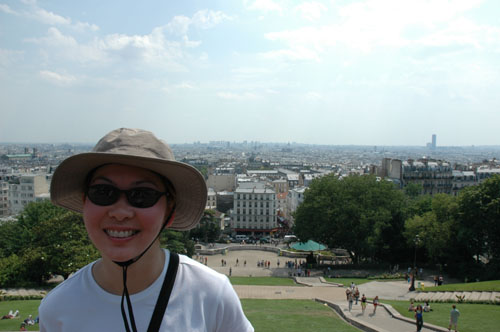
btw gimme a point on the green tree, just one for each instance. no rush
(208, 230)
(436, 229)
(177, 241)
(358, 213)
(47, 240)
(64, 243)
(479, 216)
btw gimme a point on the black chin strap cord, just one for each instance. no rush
(125, 294)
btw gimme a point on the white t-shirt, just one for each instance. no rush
(201, 300)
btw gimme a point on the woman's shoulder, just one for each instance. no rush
(189, 265)
(69, 288)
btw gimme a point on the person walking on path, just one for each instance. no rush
(454, 314)
(363, 304)
(347, 293)
(375, 304)
(350, 299)
(419, 316)
(356, 295)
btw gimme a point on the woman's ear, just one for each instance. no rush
(171, 219)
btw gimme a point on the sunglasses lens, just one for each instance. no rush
(103, 194)
(143, 197)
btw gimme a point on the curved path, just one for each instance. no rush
(382, 321)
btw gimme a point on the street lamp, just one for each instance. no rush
(412, 287)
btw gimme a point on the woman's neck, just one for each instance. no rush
(140, 274)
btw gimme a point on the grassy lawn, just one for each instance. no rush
(485, 286)
(293, 316)
(473, 317)
(262, 281)
(25, 308)
(347, 281)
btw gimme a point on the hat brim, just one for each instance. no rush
(68, 182)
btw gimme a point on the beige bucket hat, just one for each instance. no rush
(133, 147)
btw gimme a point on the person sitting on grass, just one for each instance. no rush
(29, 320)
(427, 307)
(412, 306)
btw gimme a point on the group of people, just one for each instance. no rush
(352, 295)
(28, 321)
(426, 307)
(438, 281)
(419, 315)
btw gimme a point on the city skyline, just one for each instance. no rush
(362, 73)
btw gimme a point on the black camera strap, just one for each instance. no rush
(164, 296)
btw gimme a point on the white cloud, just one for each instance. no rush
(50, 18)
(264, 5)
(313, 96)
(65, 46)
(8, 57)
(83, 26)
(185, 85)
(311, 10)
(297, 53)
(179, 25)
(365, 26)
(207, 19)
(6, 9)
(237, 96)
(59, 79)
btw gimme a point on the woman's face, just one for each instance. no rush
(120, 231)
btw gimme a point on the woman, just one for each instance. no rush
(375, 304)
(129, 188)
(363, 303)
(419, 316)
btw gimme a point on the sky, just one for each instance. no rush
(336, 72)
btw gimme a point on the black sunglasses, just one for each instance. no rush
(106, 194)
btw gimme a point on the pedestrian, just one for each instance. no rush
(245, 263)
(435, 280)
(350, 300)
(347, 292)
(440, 280)
(356, 295)
(454, 314)
(130, 188)
(419, 317)
(230, 271)
(363, 304)
(375, 304)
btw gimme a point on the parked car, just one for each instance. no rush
(265, 239)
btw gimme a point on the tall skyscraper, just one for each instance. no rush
(433, 141)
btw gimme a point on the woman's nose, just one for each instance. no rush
(121, 210)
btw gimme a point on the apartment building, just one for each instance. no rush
(294, 198)
(25, 189)
(211, 200)
(254, 209)
(4, 199)
(462, 179)
(434, 176)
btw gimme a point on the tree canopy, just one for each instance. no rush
(357, 213)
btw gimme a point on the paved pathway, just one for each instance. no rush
(381, 321)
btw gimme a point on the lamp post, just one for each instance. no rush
(412, 287)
